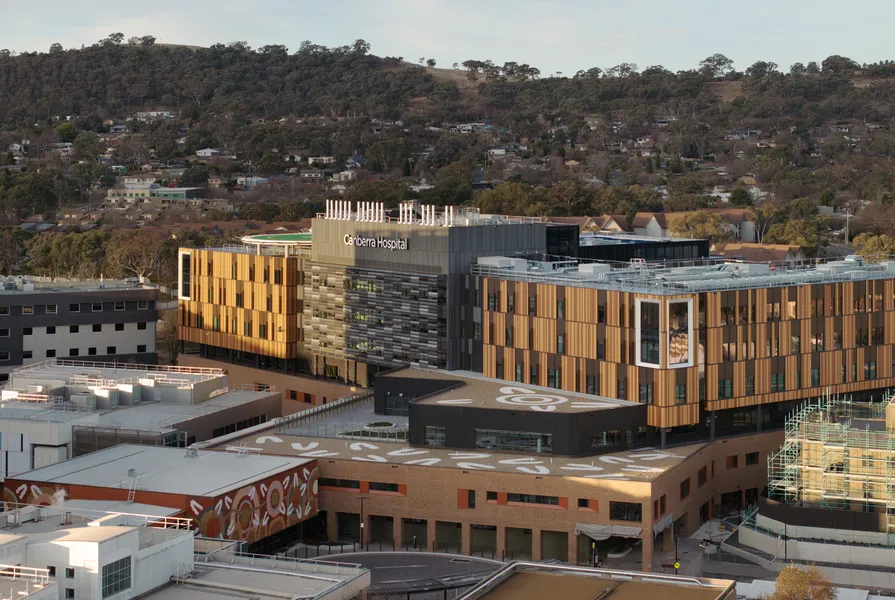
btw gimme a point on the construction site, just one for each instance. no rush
(838, 454)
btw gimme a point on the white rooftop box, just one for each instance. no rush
(594, 268)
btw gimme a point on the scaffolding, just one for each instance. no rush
(838, 454)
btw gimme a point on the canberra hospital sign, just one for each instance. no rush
(383, 243)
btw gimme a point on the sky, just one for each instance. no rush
(552, 35)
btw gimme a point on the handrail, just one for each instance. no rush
(502, 574)
(55, 362)
(281, 422)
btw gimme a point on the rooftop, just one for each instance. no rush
(697, 276)
(471, 389)
(644, 464)
(165, 470)
(535, 581)
(24, 285)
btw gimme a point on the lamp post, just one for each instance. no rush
(362, 538)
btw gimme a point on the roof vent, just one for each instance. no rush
(192, 453)
(131, 473)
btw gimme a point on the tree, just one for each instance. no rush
(361, 47)
(55, 48)
(431, 63)
(761, 69)
(766, 215)
(700, 225)
(839, 64)
(168, 334)
(874, 247)
(114, 39)
(135, 254)
(740, 197)
(67, 132)
(12, 248)
(797, 69)
(716, 65)
(147, 40)
(794, 583)
(812, 68)
(795, 232)
(87, 147)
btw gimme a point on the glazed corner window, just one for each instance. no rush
(679, 333)
(648, 332)
(185, 279)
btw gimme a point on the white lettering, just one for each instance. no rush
(383, 243)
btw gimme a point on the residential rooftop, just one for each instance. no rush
(19, 284)
(701, 275)
(165, 470)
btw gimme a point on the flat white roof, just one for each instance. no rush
(165, 470)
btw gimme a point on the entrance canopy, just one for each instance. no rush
(600, 533)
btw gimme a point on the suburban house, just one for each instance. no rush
(780, 253)
(616, 223)
(739, 220)
(208, 153)
(311, 174)
(321, 160)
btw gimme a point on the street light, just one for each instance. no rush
(362, 498)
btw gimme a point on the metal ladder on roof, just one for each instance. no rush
(132, 492)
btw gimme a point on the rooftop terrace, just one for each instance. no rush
(697, 276)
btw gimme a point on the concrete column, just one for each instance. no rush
(662, 438)
(573, 548)
(397, 531)
(431, 533)
(501, 543)
(332, 526)
(465, 538)
(668, 540)
(758, 417)
(647, 545)
(536, 544)
(365, 531)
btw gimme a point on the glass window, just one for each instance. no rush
(678, 333)
(142, 304)
(649, 332)
(626, 511)
(519, 441)
(646, 393)
(72, 351)
(91, 351)
(110, 350)
(815, 377)
(51, 309)
(51, 354)
(27, 330)
(685, 488)
(4, 332)
(349, 484)
(27, 310)
(470, 497)
(51, 330)
(119, 326)
(377, 486)
(4, 356)
(680, 393)
(74, 308)
(725, 388)
(750, 385)
(751, 458)
(96, 307)
(97, 328)
(435, 436)
(702, 476)
(4, 311)
(491, 496)
(533, 499)
(560, 344)
(141, 347)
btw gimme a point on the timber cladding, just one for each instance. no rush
(752, 346)
(244, 302)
